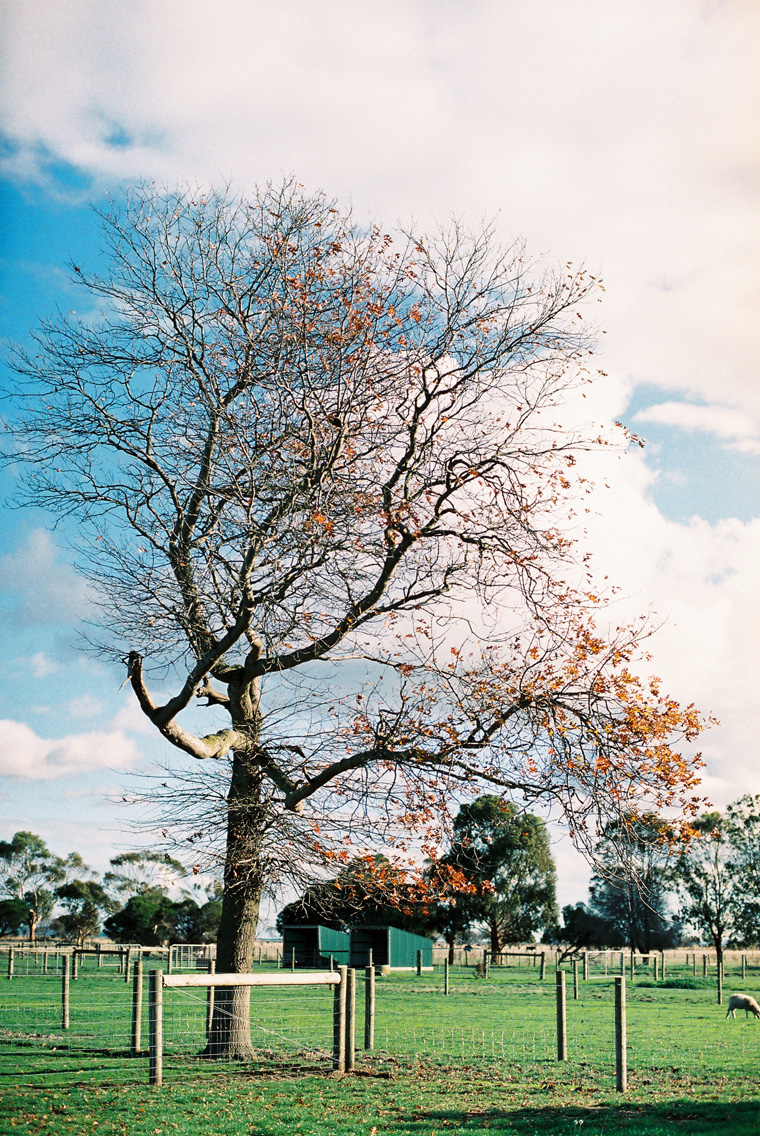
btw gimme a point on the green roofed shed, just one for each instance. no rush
(390, 947)
(313, 945)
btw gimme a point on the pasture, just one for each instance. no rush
(482, 1058)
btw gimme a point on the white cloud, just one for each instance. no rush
(85, 706)
(42, 589)
(700, 579)
(41, 665)
(735, 426)
(24, 754)
(131, 718)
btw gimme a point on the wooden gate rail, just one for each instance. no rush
(343, 980)
(281, 978)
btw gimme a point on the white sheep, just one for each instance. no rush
(742, 1002)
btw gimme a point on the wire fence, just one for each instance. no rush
(515, 1023)
(60, 1026)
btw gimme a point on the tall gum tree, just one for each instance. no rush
(505, 854)
(319, 479)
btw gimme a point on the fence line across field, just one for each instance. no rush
(50, 1021)
(69, 963)
(344, 1012)
(26, 958)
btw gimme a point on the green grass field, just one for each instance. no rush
(481, 1059)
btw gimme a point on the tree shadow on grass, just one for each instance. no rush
(692, 1118)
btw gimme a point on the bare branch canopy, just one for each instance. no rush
(321, 483)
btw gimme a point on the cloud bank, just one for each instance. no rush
(624, 133)
(25, 755)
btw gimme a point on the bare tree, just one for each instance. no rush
(319, 482)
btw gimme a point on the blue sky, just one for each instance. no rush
(623, 135)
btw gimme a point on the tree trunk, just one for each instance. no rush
(230, 1034)
(451, 950)
(495, 939)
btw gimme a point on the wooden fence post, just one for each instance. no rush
(169, 960)
(155, 1028)
(369, 1007)
(339, 1022)
(65, 992)
(419, 963)
(744, 966)
(10, 962)
(45, 961)
(446, 976)
(137, 1005)
(542, 972)
(621, 1049)
(622, 965)
(74, 965)
(575, 979)
(662, 964)
(561, 1017)
(210, 999)
(654, 959)
(704, 966)
(585, 966)
(633, 965)
(720, 982)
(293, 961)
(128, 964)
(351, 1020)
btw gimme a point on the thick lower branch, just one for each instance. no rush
(211, 746)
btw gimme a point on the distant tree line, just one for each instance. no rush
(496, 879)
(131, 903)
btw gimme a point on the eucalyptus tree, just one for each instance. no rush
(504, 853)
(132, 873)
(84, 902)
(706, 881)
(742, 819)
(719, 875)
(319, 478)
(29, 874)
(632, 888)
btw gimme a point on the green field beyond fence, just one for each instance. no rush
(506, 1019)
